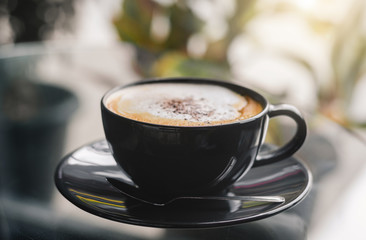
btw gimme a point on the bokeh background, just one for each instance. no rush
(310, 53)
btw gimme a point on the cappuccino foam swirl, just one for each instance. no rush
(200, 103)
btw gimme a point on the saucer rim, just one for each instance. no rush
(196, 225)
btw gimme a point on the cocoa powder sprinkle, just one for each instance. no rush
(186, 106)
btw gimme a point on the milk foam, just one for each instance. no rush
(181, 101)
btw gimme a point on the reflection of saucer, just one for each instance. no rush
(81, 178)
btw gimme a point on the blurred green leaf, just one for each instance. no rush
(179, 64)
(134, 24)
(183, 25)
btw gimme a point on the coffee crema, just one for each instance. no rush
(182, 104)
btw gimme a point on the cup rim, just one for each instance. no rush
(262, 100)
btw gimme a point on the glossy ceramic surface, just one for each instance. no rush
(81, 178)
(174, 161)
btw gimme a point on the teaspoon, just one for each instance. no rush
(135, 193)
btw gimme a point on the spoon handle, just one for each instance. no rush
(274, 199)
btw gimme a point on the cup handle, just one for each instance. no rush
(291, 146)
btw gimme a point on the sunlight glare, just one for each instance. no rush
(305, 4)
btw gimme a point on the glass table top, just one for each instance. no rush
(32, 208)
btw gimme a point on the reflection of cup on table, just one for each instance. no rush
(184, 137)
(32, 130)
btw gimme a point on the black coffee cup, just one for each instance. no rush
(170, 161)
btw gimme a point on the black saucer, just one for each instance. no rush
(81, 178)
